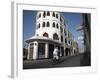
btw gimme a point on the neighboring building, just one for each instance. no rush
(51, 31)
(86, 28)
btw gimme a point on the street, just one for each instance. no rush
(66, 61)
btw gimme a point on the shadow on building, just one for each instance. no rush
(86, 60)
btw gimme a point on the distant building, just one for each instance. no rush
(51, 31)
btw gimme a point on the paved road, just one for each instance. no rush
(47, 63)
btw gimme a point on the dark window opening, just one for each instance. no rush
(61, 29)
(65, 40)
(57, 26)
(48, 13)
(53, 24)
(48, 24)
(45, 34)
(39, 25)
(55, 36)
(43, 24)
(44, 14)
(60, 19)
(69, 42)
(61, 39)
(53, 14)
(56, 15)
(39, 15)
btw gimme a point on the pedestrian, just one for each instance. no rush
(55, 55)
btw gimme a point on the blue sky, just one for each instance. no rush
(29, 19)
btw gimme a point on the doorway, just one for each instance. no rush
(66, 51)
(51, 49)
(41, 50)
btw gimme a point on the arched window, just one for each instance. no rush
(55, 36)
(45, 34)
(56, 15)
(57, 25)
(53, 14)
(44, 14)
(48, 24)
(39, 15)
(53, 24)
(48, 13)
(43, 25)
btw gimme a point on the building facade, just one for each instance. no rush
(51, 31)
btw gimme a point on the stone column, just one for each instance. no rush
(28, 52)
(46, 50)
(35, 50)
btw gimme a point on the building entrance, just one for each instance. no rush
(41, 50)
(51, 49)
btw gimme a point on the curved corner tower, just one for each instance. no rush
(48, 24)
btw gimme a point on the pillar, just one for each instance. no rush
(28, 52)
(35, 50)
(46, 50)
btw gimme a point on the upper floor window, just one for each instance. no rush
(43, 25)
(39, 15)
(48, 13)
(48, 24)
(39, 25)
(69, 41)
(61, 39)
(60, 19)
(53, 14)
(45, 34)
(65, 40)
(61, 29)
(65, 32)
(53, 24)
(57, 25)
(44, 14)
(56, 15)
(55, 36)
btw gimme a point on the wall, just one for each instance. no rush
(5, 40)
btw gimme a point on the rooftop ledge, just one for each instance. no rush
(40, 38)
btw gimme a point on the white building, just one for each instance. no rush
(51, 31)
